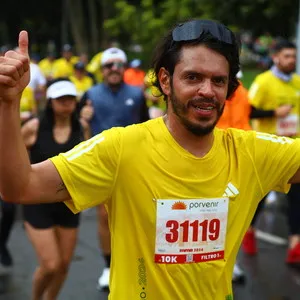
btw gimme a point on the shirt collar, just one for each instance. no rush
(283, 76)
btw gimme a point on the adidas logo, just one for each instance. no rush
(231, 191)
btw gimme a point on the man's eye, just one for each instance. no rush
(191, 77)
(219, 80)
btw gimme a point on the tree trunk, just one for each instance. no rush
(107, 6)
(77, 25)
(93, 10)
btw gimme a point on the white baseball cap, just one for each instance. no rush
(113, 53)
(61, 88)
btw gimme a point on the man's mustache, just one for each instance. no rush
(114, 72)
(203, 100)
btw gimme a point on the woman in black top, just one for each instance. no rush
(52, 228)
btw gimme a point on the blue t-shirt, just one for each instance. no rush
(116, 108)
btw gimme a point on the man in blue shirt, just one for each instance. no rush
(110, 104)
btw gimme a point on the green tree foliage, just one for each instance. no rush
(91, 25)
(143, 22)
(136, 24)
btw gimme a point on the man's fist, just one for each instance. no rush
(15, 71)
(283, 110)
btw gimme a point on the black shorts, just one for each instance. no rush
(43, 216)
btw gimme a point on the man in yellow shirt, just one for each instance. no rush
(81, 80)
(64, 66)
(47, 65)
(180, 193)
(276, 93)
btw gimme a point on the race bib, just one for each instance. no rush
(190, 231)
(288, 126)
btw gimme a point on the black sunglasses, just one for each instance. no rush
(193, 30)
(117, 65)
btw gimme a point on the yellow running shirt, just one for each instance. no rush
(28, 104)
(64, 68)
(268, 92)
(176, 220)
(82, 85)
(46, 66)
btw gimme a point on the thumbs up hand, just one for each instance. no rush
(15, 71)
(87, 111)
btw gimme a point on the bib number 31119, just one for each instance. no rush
(190, 231)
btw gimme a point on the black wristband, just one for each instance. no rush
(260, 113)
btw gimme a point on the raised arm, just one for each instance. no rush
(19, 181)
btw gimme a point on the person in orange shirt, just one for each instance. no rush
(237, 111)
(134, 75)
(236, 114)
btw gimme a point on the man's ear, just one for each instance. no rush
(165, 81)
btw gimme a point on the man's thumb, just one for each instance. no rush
(23, 42)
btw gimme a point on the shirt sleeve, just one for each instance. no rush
(89, 170)
(256, 94)
(276, 159)
(95, 63)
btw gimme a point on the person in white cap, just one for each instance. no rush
(110, 104)
(52, 228)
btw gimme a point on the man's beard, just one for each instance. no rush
(287, 70)
(115, 85)
(181, 111)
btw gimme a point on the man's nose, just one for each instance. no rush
(114, 67)
(206, 88)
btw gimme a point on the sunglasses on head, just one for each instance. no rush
(193, 30)
(117, 65)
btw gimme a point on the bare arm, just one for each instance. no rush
(29, 132)
(19, 181)
(45, 185)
